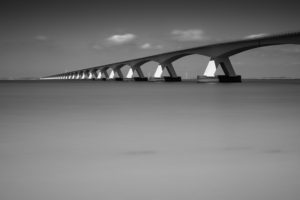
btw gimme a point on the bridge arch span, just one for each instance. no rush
(178, 56)
(189, 66)
(150, 68)
(124, 69)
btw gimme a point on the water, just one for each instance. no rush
(149, 141)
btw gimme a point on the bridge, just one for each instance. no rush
(219, 55)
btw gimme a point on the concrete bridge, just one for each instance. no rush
(219, 54)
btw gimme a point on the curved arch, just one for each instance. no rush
(109, 72)
(144, 61)
(102, 72)
(125, 69)
(189, 66)
(147, 71)
(178, 56)
(105, 69)
(117, 67)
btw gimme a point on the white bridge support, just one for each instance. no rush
(158, 72)
(224, 62)
(215, 62)
(90, 75)
(160, 69)
(166, 65)
(211, 69)
(112, 74)
(82, 75)
(116, 74)
(99, 76)
(136, 68)
(130, 73)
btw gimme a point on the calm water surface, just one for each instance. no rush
(149, 141)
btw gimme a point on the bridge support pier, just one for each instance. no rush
(99, 75)
(224, 62)
(84, 75)
(140, 74)
(173, 76)
(130, 73)
(119, 73)
(104, 75)
(90, 75)
(111, 75)
(136, 68)
(115, 72)
(159, 71)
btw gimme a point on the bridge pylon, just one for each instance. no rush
(225, 63)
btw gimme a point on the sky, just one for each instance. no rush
(41, 38)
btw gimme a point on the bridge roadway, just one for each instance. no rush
(219, 54)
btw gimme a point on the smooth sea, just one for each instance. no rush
(97, 140)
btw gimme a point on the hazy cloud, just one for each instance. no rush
(256, 35)
(150, 46)
(188, 35)
(121, 39)
(97, 46)
(41, 37)
(115, 40)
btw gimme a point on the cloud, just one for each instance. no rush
(150, 46)
(97, 46)
(125, 40)
(256, 35)
(188, 35)
(41, 37)
(146, 46)
(121, 39)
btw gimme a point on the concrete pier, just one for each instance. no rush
(229, 79)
